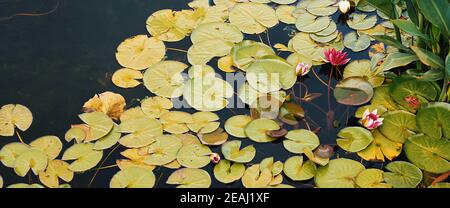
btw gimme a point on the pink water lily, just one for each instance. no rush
(371, 120)
(215, 158)
(336, 58)
(302, 69)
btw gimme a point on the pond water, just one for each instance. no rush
(56, 62)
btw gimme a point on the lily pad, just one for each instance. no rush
(84, 156)
(55, 169)
(309, 23)
(404, 87)
(216, 31)
(232, 151)
(361, 21)
(284, 14)
(254, 178)
(33, 159)
(265, 73)
(10, 152)
(362, 68)
(127, 78)
(206, 94)
(226, 172)
(428, 154)
(99, 125)
(201, 71)
(339, 173)
(204, 122)
(140, 132)
(398, 125)
(380, 148)
(140, 52)
(433, 120)
(402, 175)
(297, 170)
(353, 91)
(133, 177)
(164, 150)
(190, 178)
(215, 138)
(154, 107)
(332, 28)
(194, 156)
(164, 79)
(162, 24)
(235, 126)
(256, 130)
(175, 122)
(50, 145)
(354, 139)
(324, 39)
(248, 51)
(202, 52)
(355, 43)
(299, 139)
(275, 167)
(371, 178)
(12, 116)
(253, 18)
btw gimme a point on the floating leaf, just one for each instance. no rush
(232, 151)
(299, 139)
(355, 43)
(10, 152)
(432, 120)
(135, 158)
(398, 125)
(140, 132)
(371, 178)
(226, 172)
(194, 156)
(216, 31)
(140, 52)
(362, 68)
(175, 122)
(215, 138)
(201, 71)
(164, 79)
(381, 147)
(253, 18)
(284, 14)
(207, 94)
(270, 75)
(111, 104)
(162, 24)
(164, 150)
(275, 167)
(353, 91)
(361, 21)
(50, 145)
(354, 139)
(339, 173)
(33, 159)
(383, 98)
(332, 28)
(98, 123)
(402, 175)
(190, 178)
(309, 23)
(132, 113)
(84, 156)
(226, 64)
(325, 39)
(202, 52)
(187, 139)
(248, 51)
(235, 126)
(127, 78)
(297, 170)
(133, 177)
(23, 185)
(12, 116)
(256, 130)
(322, 7)
(408, 87)
(154, 107)
(56, 169)
(283, 1)
(204, 122)
(254, 178)
(428, 154)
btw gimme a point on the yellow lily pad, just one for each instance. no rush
(175, 122)
(297, 170)
(339, 173)
(127, 78)
(309, 23)
(284, 14)
(109, 140)
(84, 156)
(299, 139)
(232, 151)
(216, 31)
(112, 104)
(50, 145)
(190, 178)
(33, 159)
(140, 52)
(371, 178)
(12, 116)
(194, 156)
(226, 172)
(162, 25)
(253, 18)
(154, 107)
(235, 126)
(164, 79)
(256, 130)
(133, 177)
(140, 132)
(56, 169)
(10, 152)
(215, 138)
(98, 123)
(254, 178)
(164, 150)
(204, 122)
(275, 167)
(380, 148)
(207, 94)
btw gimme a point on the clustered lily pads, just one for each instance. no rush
(402, 113)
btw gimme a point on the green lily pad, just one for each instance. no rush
(248, 51)
(269, 75)
(109, 140)
(309, 23)
(362, 68)
(339, 173)
(99, 125)
(216, 31)
(433, 120)
(226, 172)
(33, 159)
(431, 155)
(256, 130)
(354, 139)
(235, 126)
(133, 177)
(299, 139)
(361, 21)
(194, 156)
(164, 150)
(275, 167)
(164, 78)
(402, 175)
(255, 178)
(403, 87)
(353, 91)
(398, 125)
(297, 170)
(328, 31)
(84, 156)
(382, 97)
(190, 178)
(50, 145)
(355, 43)
(140, 132)
(207, 94)
(253, 18)
(324, 39)
(231, 151)
(371, 178)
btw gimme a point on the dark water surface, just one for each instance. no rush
(54, 63)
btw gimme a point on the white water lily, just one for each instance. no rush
(344, 6)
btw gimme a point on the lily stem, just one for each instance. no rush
(176, 49)
(20, 138)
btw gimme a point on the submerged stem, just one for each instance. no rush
(176, 49)
(318, 77)
(102, 168)
(20, 138)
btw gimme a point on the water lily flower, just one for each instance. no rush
(413, 102)
(302, 69)
(371, 120)
(215, 158)
(344, 6)
(336, 58)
